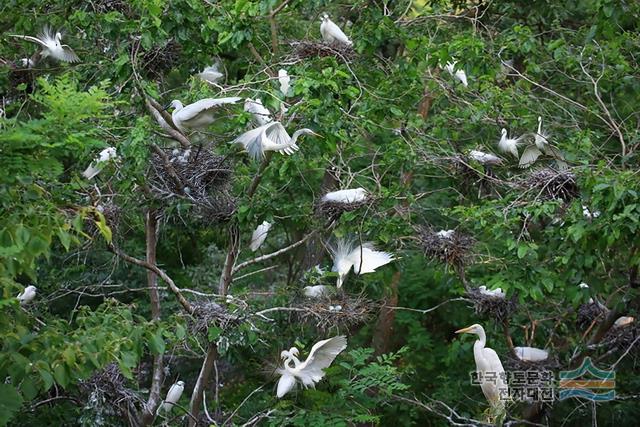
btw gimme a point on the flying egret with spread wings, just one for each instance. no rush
(363, 258)
(198, 115)
(311, 371)
(331, 33)
(173, 395)
(52, 46)
(270, 137)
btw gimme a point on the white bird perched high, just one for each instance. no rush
(531, 354)
(51, 45)
(27, 295)
(260, 114)
(509, 145)
(270, 137)
(494, 293)
(259, 235)
(363, 258)
(284, 80)
(211, 74)
(352, 195)
(541, 145)
(96, 166)
(485, 158)
(316, 291)
(311, 371)
(331, 33)
(623, 321)
(487, 361)
(198, 115)
(173, 395)
(458, 74)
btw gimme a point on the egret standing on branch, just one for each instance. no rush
(331, 33)
(363, 258)
(52, 46)
(173, 395)
(458, 74)
(270, 137)
(311, 371)
(284, 80)
(28, 295)
(198, 115)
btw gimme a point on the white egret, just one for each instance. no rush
(623, 321)
(331, 33)
(509, 145)
(173, 395)
(491, 374)
(588, 214)
(445, 234)
(531, 354)
(495, 293)
(363, 258)
(259, 235)
(352, 195)
(260, 114)
(317, 291)
(284, 80)
(485, 158)
(96, 166)
(27, 295)
(51, 45)
(198, 115)
(27, 63)
(311, 371)
(270, 137)
(541, 145)
(211, 74)
(458, 74)
(583, 286)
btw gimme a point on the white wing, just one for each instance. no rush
(365, 259)
(331, 32)
(211, 74)
(508, 145)
(286, 383)
(531, 354)
(529, 156)
(261, 115)
(277, 139)
(29, 38)
(91, 171)
(321, 356)
(259, 236)
(263, 138)
(193, 110)
(67, 54)
(352, 195)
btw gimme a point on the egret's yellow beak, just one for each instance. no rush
(316, 134)
(464, 330)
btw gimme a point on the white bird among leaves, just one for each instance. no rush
(259, 235)
(317, 291)
(27, 295)
(52, 46)
(311, 371)
(198, 115)
(352, 195)
(483, 158)
(270, 137)
(173, 395)
(531, 354)
(363, 258)
(331, 33)
(96, 166)
(541, 145)
(458, 74)
(509, 145)
(260, 114)
(284, 80)
(211, 74)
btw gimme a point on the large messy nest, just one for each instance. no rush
(550, 184)
(589, 313)
(160, 59)
(622, 337)
(197, 176)
(208, 314)
(303, 49)
(495, 307)
(454, 250)
(333, 210)
(514, 363)
(322, 312)
(105, 6)
(106, 393)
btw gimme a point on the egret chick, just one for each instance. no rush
(352, 195)
(363, 258)
(531, 354)
(27, 295)
(96, 166)
(198, 115)
(270, 137)
(495, 293)
(173, 395)
(509, 145)
(317, 291)
(52, 46)
(260, 114)
(259, 235)
(331, 33)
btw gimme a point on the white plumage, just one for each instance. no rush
(173, 395)
(485, 158)
(588, 214)
(211, 74)
(541, 145)
(316, 291)
(623, 321)
(311, 371)
(96, 166)
(531, 354)
(51, 45)
(259, 235)
(445, 234)
(284, 80)
(352, 195)
(270, 137)
(583, 286)
(458, 74)
(363, 258)
(495, 293)
(198, 115)
(331, 33)
(509, 145)
(27, 63)
(27, 295)
(260, 114)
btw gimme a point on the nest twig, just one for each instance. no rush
(105, 6)
(303, 49)
(588, 313)
(498, 308)
(512, 363)
(354, 310)
(210, 313)
(454, 250)
(333, 210)
(161, 58)
(550, 184)
(622, 337)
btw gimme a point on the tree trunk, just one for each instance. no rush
(201, 383)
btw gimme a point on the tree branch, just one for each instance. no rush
(202, 381)
(271, 255)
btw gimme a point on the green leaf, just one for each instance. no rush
(10, 403)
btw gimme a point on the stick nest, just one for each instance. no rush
(550, 184)
(513, 363)
(160, 59)
(588, 313)
(498, 308)
(106, 393)
(208, 314)
(355, 310)
(333, 210)
(303, 49)
(105, 6)
(622, 337)
(196, 176)
(454, 250)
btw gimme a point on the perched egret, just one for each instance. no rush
(363, 258)
(284, 80)
(51, 45)
(352, 195)
(270, 137)
(211, 74)
(509, 145)
(485, 158)
(260, 114)
(495, 293)
(27, 295)
(198, 115)
(311, 371)
(317, 291)
(541, 145)
(531, 354)
(583, 286)
(96, 166)
(173, 395)
(623, 321)
(445, 234)
(458, 74)
(259, 235)
(490, 371)
(331, 33)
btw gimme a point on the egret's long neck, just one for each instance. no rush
(295, 136)
(482, 339)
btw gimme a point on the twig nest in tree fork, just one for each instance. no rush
(550, 184)
(588, 313)
(105, 393)
(495, 307)
(449, 246)
(196, 176)
(332, 208)
(622, 337)
(342, 312)
(106, 6)
(302, 49)
(159, 59)
(19, 73)
(208, 314)
(513, 363)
